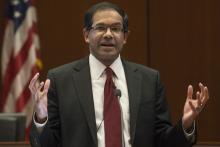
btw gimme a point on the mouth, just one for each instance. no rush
(107, 45)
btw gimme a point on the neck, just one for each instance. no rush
(106, 61)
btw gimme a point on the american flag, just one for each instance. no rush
(20, 58)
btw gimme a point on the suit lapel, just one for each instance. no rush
(82, 81)
(134, 90)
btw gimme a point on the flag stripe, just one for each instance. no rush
(7, 46)
(21, 35)
(15, 65)
(13, 41)
(25, 95)
(20, 58)
(22, 78)
(23, 99)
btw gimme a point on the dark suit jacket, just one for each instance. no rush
(72, 116)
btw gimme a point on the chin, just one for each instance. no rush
(108, 59)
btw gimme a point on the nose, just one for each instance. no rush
(108, 33)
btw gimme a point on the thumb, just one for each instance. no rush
(46, 86)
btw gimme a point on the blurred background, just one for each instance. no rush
(180, 38)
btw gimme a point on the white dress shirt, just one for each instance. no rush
(98, 78)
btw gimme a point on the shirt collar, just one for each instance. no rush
(97, 68)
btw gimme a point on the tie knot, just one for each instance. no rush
(109, 72)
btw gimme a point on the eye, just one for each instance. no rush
(116, 28)
(100, 28)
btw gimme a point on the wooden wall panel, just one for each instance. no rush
(2, 24)
(179, 38)
(184, 46)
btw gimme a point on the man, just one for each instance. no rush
(105, 101)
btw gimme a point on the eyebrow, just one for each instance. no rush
(114, 24)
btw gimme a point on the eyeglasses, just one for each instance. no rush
(103, 29)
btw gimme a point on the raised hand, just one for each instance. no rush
(193, 106)
(39, 92)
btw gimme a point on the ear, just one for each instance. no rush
(126, 36)
(86, 35)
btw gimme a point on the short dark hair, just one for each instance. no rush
(104, 6)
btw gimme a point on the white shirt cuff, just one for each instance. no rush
(39, 126)
(190, 136)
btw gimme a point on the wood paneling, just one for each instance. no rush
(2, 25)
(15, 144)
(184, 47)
(179, 38)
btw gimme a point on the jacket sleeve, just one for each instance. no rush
(166, 134)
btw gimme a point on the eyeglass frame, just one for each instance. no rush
(103, 28)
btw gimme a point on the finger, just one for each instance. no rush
(198, 98)
(190, 92)
(38, 92)
(33, 82)
(202, 90)
(46, 87)
(40, 87)
(206, 95)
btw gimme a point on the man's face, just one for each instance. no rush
(106, 38)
